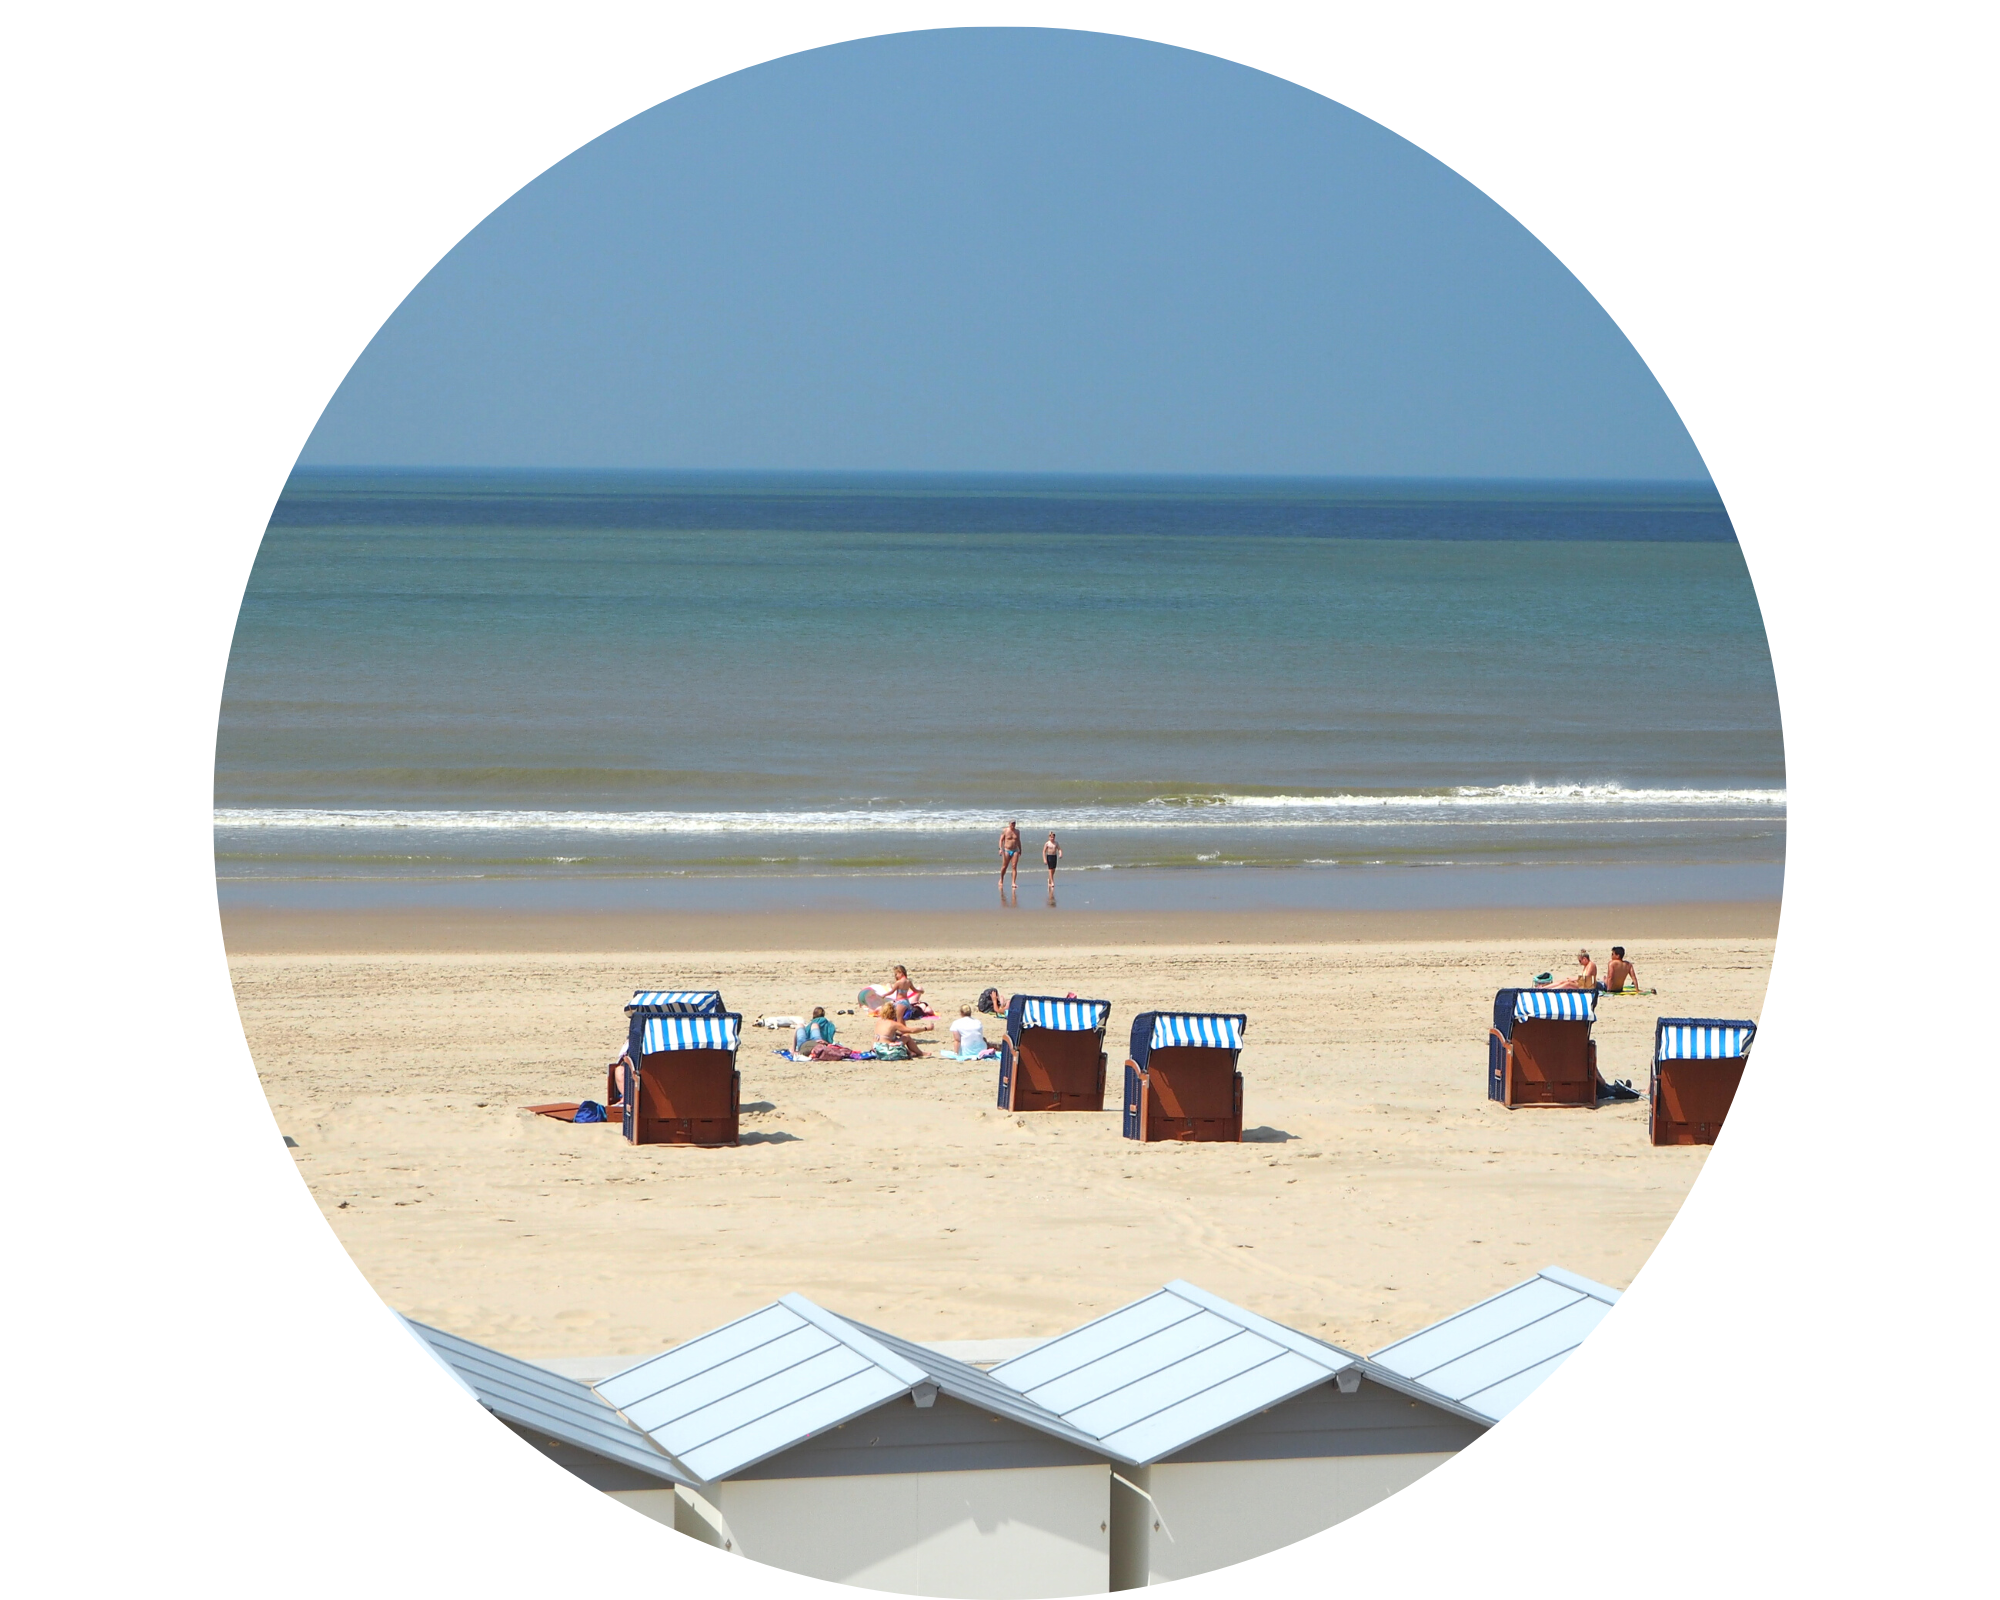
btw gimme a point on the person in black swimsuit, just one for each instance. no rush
(1051, 854)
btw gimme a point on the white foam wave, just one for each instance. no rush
(1517, 803)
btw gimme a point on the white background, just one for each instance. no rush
(1786, 209)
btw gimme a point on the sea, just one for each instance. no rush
(711, 691)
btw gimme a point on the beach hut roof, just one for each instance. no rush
(1491, 1356)
(1167, 1371)
(1701, 1038)
(543, 1402)
(767, 1382)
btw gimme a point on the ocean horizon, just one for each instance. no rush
(526, 686)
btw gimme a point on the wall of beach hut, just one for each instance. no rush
(1279, 1477)
(1019, 1533)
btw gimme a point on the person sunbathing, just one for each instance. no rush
(1620, 976)
(1587, 978)
(894, 1041)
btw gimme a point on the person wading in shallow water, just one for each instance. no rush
(1051, 854)
(1010, 854)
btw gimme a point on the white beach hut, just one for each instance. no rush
(835, 1450)
(1491, 1356)
(1232, 1435)
(567, 1422)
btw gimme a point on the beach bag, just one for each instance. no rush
(989, 1002)
(590, 1111)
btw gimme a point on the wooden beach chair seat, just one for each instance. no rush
(1539, 1051)
(1052, 1058)
(1697, 1064)
(678, 1082)
(1181, 1080)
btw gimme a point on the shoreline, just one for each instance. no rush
(258, 931)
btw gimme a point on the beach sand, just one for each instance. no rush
(1377, 1188)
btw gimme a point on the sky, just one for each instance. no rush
(1004, 250)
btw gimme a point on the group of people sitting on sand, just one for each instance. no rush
(901, 1013)
(1620, 977)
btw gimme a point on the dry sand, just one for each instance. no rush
(1377, 1188)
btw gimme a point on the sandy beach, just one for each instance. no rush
(1376, 1188)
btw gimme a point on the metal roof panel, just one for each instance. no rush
(1581, 1284)
(1118, 1369)
(684, 1361)
(559, 1408)
(1155, 1376)
(779, 1391)
(1491, 1355)
(1476, 1326)
(765, 1436)
(1500, 1398)
(740, 1375)
(1094, 1340)
(1553, 1335)
(1221, 1406)
(1167, 1387)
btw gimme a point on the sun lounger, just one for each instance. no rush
(1539, 1051)
(1181, 1080)
(1697, 1064)
(678, 1083)
(1052, 1058)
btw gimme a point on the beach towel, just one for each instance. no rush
(988, 1054)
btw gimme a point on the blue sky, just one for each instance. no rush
(1004, 250)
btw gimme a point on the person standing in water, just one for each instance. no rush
(1010, 854)
(1051, 854)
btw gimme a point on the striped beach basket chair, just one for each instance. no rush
(1697, 1064)
(1539, 1051)
(1053, 1056)
(646, 1003)
(1181, 1080)
(678, 1082)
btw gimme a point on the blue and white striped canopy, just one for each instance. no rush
(1555, 1005)
(694, 1002)
(1066, 1016)
(1180, 1027)
(689, 1033)
(1689, 1041)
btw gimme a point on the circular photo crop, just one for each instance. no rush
(1001, 812)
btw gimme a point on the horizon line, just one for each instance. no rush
(1076, 474)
